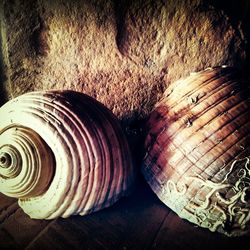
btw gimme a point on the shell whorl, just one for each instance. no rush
(26, 163)
(198, 150)
(72, 145)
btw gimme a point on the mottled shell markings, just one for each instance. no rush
(198, 150)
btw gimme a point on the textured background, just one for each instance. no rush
(124, 53)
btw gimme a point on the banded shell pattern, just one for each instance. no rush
(62, 153)
(197, 146)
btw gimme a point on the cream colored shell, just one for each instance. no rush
(198, 150)
(62, 153)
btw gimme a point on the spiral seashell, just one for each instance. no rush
(198, 150)
(62, 153)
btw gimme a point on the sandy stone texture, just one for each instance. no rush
(123, 53)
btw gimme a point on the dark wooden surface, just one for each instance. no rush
(139, 221)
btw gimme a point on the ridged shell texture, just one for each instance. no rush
(62, 153)
(197, 146)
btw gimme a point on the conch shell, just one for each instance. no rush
(198, 150)
(62, 153)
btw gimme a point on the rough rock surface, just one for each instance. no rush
(124, 53)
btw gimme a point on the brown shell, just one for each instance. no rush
(62, 153)
(197, 150)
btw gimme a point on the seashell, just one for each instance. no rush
(197, 147)
(62, 153)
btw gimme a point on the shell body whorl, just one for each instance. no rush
(198, 150)
(62, 153)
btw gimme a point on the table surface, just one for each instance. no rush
(139, 221)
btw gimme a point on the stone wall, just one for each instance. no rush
(124, 53)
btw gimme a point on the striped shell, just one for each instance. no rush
(198, 150)
(62, 153)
